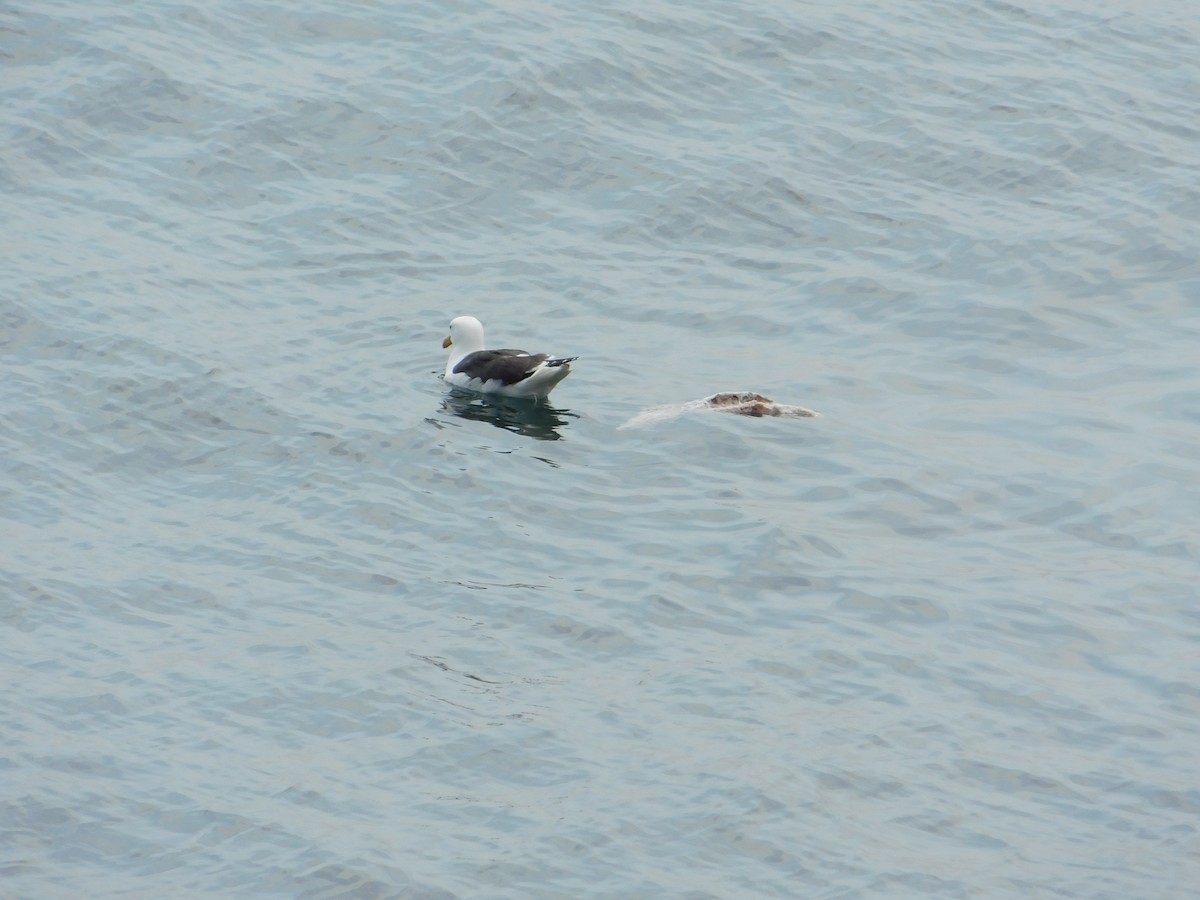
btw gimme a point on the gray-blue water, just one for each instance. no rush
(284, 619)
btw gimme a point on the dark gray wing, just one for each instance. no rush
(505, 366)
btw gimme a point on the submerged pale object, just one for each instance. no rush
(743, 403)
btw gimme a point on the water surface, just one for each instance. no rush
(285, 618)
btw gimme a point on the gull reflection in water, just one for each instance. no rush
(531, 418)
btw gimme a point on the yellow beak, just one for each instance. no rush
(447, 342)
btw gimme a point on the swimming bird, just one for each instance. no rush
(511, 373)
